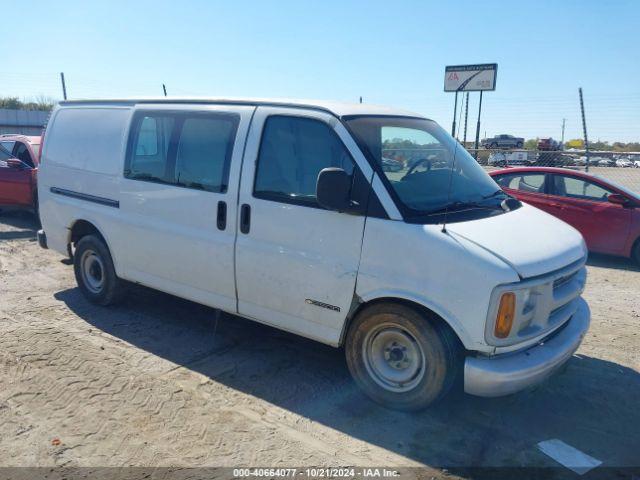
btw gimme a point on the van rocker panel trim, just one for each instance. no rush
(84, 196)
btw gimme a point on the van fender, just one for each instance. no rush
(442, 312)
(101, 230)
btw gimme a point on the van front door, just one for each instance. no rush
(296, 263)
(178, 200)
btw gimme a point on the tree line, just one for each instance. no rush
(41, 103)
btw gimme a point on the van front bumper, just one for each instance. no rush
(510, 372)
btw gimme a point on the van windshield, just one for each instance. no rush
(428, 170)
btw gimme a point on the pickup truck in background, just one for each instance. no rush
(503, 141)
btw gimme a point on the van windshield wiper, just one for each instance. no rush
(458, 206)
(494, 194)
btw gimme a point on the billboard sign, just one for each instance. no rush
(470, 78)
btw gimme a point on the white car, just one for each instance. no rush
(624, 163)
(282, 212)
(580, 161)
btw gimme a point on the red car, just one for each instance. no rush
(19, 157)
(607, 214)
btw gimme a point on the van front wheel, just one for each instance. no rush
(95, 273)
(400, 358)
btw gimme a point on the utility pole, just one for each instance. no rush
(64, 86)
(584, 129)
(563, 122)
(466, 118)
(164, 89)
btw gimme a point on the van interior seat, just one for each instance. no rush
(525, 187)
(202, 150)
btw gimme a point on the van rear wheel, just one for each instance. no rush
(400, 358)
(94, 271)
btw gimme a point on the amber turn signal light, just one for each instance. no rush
(506, 312)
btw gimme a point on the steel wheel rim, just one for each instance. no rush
(92, 270)
(393, 358)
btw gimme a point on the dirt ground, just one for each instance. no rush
(153, 382)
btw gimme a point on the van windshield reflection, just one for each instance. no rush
(427, 169)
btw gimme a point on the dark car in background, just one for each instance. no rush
(503, 141)
(19, 159)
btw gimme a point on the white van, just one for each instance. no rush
(282, 212)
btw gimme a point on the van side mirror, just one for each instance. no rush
(617, 199)
(16, 164)
(333, 189)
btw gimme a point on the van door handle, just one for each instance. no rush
(222, 215)
(245, 218)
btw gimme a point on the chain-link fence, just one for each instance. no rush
(619, 167)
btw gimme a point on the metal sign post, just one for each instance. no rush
(455, 106)
(466, 118)
(478, 126)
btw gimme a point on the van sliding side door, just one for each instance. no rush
(179, 198)
(296, 263)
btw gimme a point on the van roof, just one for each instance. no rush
(338, 109)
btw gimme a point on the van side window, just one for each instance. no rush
(293, 150)
(152, 137)
(147, 138)
(185, 149)
(204, 153)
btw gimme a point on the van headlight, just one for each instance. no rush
(505, 316)
(526, 309)
(512, 310)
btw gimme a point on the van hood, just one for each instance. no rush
(531, 241)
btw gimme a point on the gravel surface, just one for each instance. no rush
(158, 382)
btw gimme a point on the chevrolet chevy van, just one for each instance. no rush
(357, 226)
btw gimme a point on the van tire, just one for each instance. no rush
(381, 347)
(94, 271)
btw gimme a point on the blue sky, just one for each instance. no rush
(391, 52)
